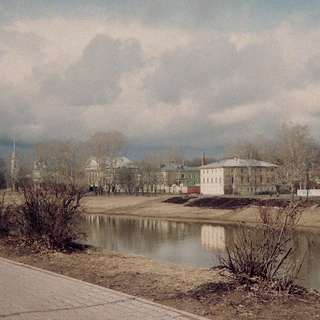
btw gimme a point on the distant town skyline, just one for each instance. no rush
(197, 74)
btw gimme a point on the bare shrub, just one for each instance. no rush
(264, 251)
(5, 217)
(49, 215)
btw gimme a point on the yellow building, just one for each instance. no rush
(238, 176)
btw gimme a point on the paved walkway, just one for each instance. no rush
(31, 293)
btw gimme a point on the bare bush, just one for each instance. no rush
(264, 251)
(5, 217)
(49, 215)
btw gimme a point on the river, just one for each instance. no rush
(185, 243)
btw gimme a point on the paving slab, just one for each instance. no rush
(30, 293)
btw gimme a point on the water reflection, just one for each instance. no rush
(176, 242)
(213, 237)
(192, 244)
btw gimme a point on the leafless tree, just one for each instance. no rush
(265, 250)
(173, 154)
(126, 179)
(296, 152)
(107, 147)
(243, 149)
(148, 172)
(63, 159)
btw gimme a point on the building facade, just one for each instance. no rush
(40, 172)
(98, 175)
(238, 176)
(179, 175)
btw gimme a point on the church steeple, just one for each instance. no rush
(14, 166)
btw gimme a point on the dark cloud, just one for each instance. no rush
(94, 79)
(207, 90)
(312, 67)
(186, 71)
(218, 77)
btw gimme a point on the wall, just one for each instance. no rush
(309, 192)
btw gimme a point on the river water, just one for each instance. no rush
(186, 243)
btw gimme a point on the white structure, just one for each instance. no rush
(308, 192)
(237, 176)
(213, 237)
(15, 168)
(40, 172)
(96, 172)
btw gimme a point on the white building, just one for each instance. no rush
(40, 172)
(237, 176)
(96, 173)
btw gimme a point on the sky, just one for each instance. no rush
(198, 74)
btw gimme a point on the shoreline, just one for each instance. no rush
(211, 293)
(154, 207)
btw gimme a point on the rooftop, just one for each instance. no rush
(176, 167)
(237, 162)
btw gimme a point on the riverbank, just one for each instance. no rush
(214, 294)
(156, 207)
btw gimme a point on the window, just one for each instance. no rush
(211, 180)
(260, 179)
(216, 180)
(241, 170)
(207, 180)
(241, 179)
(204, 180)
(219, 180)
(248, 180)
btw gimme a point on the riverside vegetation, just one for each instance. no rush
(253, 281)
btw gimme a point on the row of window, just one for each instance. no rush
(257, 189)
(206, 180)
(242, 179)
(211, 171)
(242, 170)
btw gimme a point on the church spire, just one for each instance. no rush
(14, 149)
(14, 166)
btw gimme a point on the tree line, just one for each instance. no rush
(293, 149)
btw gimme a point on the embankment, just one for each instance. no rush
(202, 209)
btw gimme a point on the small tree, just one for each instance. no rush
(173, 154)
(5, 217)
(49, 215)
(62, 159)
(126, 178)
(263, 251)
(107, 147)
(148, 167)
(296, 152)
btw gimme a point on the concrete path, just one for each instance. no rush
(31, 293)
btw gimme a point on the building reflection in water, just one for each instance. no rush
(213, 237)
(187, 243)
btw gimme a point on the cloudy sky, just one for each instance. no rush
(200, 74)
